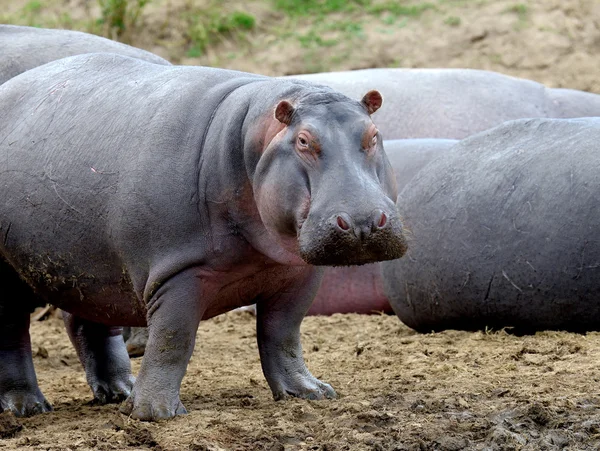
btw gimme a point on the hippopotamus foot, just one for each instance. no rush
(152, 408)
(278, 334)
(136, 341)
(19, 391)
(301, 385)
(102, 353)
(174, 314)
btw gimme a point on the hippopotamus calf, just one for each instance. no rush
(24, 48)
(140, 194)
(455, 103)
(504, 232)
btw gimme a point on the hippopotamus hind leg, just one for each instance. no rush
(278, 335)
(102, 353)
(19, 391)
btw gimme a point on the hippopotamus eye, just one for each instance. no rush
(302, 142)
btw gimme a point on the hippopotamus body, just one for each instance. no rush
(455, 103)
(504, 232)
(24, 48)
(142, 194)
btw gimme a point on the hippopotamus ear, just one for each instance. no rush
(284, 112)
(372, 101)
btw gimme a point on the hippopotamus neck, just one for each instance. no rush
(242, 123)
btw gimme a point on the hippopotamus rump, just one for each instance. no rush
(455, 103)
(359, 289)
(504, 232)
(24, 48)
(142, 194)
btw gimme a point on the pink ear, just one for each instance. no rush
(372, 101)
(284, 112)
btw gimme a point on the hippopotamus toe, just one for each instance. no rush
(306, 388)
(114, 392)
(25, 404)
(152, 409)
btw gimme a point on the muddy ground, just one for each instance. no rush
(399, 390)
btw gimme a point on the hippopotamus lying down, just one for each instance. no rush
(504, 232)
(24, 48)
(136, 193)
(455, 103)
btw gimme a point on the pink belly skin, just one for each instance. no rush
(352, 289)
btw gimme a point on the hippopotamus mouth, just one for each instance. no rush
(340, 241)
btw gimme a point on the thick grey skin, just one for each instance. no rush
(24, 48)
(352, 289)
(455, 103)
(141, 194)
(504, 232)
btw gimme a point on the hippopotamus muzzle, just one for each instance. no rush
(345, 239)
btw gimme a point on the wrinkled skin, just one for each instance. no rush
(350, 289)
(504, 232)
(138, 194)
(24, 48)
(455, 103)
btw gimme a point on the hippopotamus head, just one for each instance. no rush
(323, 184)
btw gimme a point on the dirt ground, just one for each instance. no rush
(399, 390)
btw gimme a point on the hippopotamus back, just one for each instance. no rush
(456, 103)
(24, 48)
(504, 232)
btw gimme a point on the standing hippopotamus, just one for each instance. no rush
(504, 232)
(455, 103)
(136, 193)
(24, 48)
(348, 289)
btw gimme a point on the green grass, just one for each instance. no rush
(209, 27)
(453, 21)
(398, 9)
(117, 16)
(296, 8)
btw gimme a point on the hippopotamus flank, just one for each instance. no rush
(135, 193)
(24, 48)
(504, 232)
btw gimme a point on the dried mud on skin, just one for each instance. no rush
(399, 390)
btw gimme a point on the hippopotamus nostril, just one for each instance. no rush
(382, 219)
(343, 222)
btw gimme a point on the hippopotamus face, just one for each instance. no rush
(324, 185)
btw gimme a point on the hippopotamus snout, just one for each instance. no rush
(362, 228)
(346, 238)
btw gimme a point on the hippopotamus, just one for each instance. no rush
(143, 194)
(455, 103)
(24, 48)
(504, 232)
(348, 289)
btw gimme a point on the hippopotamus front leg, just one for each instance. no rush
(174, 313)
(278, 320)
(103, 355)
